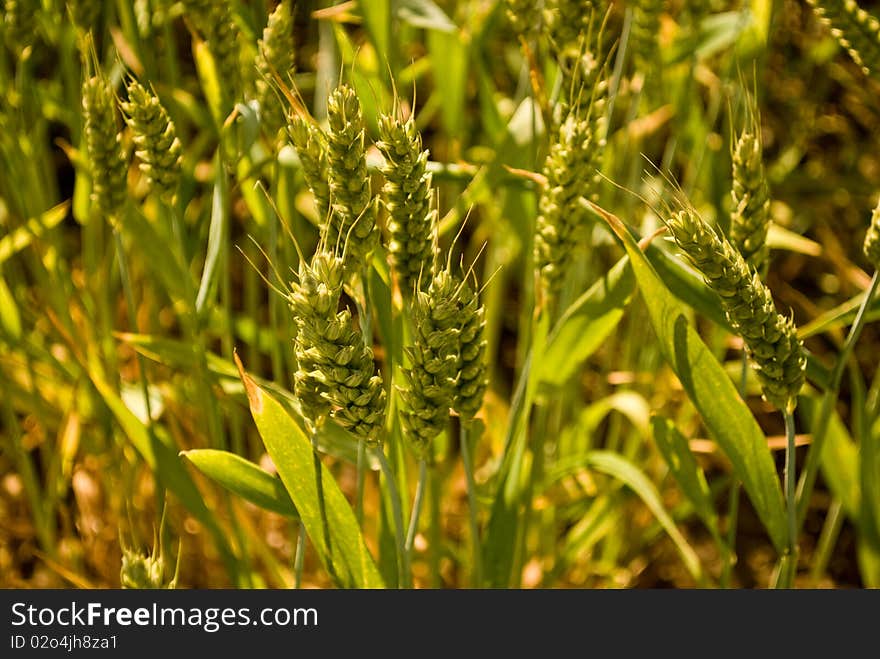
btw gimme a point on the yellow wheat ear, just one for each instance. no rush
(107, 158)
(155, 139)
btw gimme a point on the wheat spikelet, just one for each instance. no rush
(107, 158)
(155, 139)
(770, 339)
(352, 224)
(857, 31)
(407, 193)
(275, 57)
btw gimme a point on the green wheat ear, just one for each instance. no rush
(336, 375)
(571, 172)
(471, 378)
(407, 193)
(155, 139)
(215, 22)
(857, 31)
(429, 388)
(275, 57)
(141, 571)
(750, 218)
(770, 339)
(352, 224)
(314, 299)
(109, 165)
(643, 36)
(566, 22)
(311, 147)
(447, 357)
(872, 239)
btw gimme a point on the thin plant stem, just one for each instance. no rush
(416, 509)
(366, 321)
(299, 557)
(361, 473)
(434, 530)
(477, 568)
(132, 321)
(319, 484)
(790, 501)
(729, 550)
(404, 576)
(827, 539)
(826, 409)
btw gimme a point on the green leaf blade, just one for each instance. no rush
(711, 391)
(347, 559)
(243, 478)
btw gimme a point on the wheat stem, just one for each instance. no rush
(416, 510)
(477, 568)
(790, 501)
(403, 572)
(299, 556)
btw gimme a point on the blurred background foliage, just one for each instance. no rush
(79, 459)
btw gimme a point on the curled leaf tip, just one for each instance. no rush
(255, 396)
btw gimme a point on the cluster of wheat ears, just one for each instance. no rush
(428, 375)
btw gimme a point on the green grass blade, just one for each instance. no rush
(10, 318)
(161, 455)
(217, 233)
(684, 469)
(711, 391)
(626, 472)
(449, 59)
(243, 478)
(21, 237)
(499, 547)
(586, 324)
(347, 559)
(425, 14)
